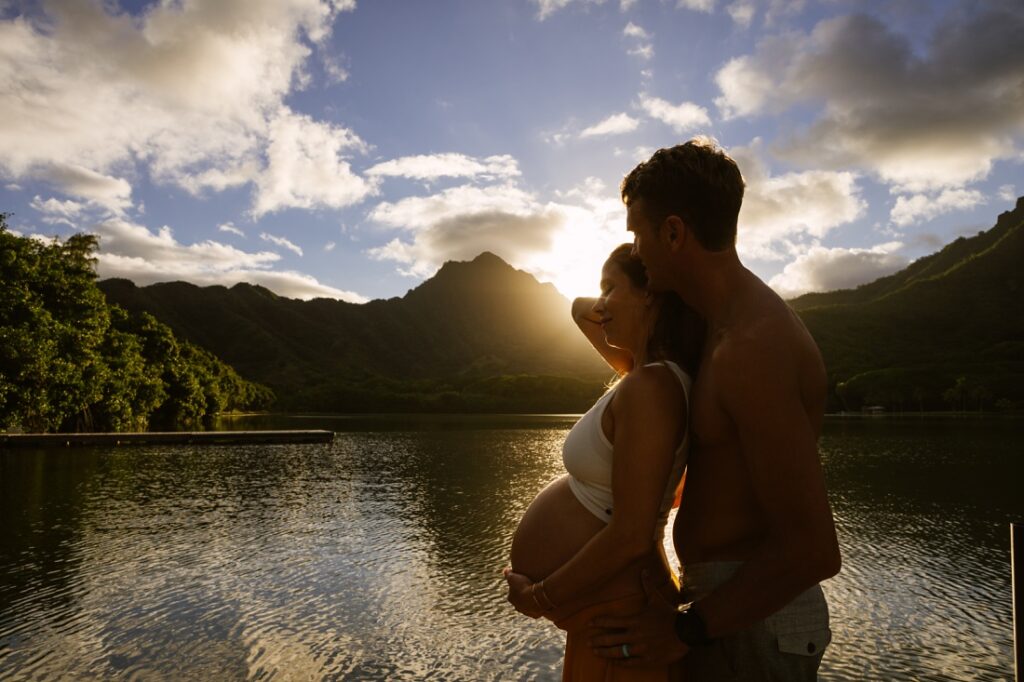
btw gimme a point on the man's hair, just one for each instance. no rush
(696, 181)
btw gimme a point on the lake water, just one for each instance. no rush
(378, 557)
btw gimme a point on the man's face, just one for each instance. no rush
(649, 246)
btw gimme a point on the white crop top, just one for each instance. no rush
(587, 455)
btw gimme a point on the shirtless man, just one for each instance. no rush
(754, 531)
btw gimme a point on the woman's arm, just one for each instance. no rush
(649, 411)
(590, 324)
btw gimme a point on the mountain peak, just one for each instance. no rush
(485, 265)
(488, 258)
(485, 260)
(1012, 214)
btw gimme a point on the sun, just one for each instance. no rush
(578, 251)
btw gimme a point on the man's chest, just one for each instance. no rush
(709, 420)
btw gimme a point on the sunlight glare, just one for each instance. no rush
(581, 245)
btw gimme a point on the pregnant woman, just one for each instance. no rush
(581, 545)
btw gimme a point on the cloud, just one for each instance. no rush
(782, 8)
(781, 210)
(616, 124)
(329, 246)
(230, 228)
(825, 269)
(746, 82)
(742, 12)
(460, 222)
(416, 213)
(334, 67)
(282, 242)
(57, 212)
(220, 179)
(919, 118)
(546, 8)
(922, 208)
(642, 47)
(134, 252)
(306, 166)
(111, 193)
(644, 52)
(433, 166)
(682, 117)
(626, 5)
(1007, 192)
(563, 241)
(193, 91)
(634, 31)
(706, 6)
(463, 237)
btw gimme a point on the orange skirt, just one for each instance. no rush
(583, 665)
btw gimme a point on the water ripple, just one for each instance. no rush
(378, 557)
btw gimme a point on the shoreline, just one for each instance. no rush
(26, 440)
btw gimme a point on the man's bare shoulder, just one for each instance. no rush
(766, 339)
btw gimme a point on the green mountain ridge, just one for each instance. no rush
(442, 345)
(482, 336)
(944, 332)
(927, 267)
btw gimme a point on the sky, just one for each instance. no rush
(348, 148)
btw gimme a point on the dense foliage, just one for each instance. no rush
(945, 333)
(69, 361)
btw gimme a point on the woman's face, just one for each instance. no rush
(624, 309)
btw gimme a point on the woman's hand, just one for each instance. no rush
(521, 594)
(589, 322)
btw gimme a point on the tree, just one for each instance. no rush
(956, 397)
(69, 361)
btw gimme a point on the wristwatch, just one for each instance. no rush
(690, 627)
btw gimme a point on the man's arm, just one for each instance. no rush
(760, 390)
(759, 387)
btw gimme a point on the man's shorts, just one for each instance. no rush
(787, 645)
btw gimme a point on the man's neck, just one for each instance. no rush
(711, 283)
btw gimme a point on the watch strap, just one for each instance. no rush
(690, 627)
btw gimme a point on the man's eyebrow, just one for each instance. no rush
(605, 283)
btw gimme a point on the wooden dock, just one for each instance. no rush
(51, 440)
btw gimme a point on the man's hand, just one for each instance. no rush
(520, 594)
(649, 636)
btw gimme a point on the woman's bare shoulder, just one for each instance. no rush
(649, 385)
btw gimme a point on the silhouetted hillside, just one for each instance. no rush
(946, 331)
(473, 322)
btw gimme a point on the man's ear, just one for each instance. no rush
(674, 232)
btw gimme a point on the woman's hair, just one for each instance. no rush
(678, 332)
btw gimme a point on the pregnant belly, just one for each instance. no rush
(553, 529)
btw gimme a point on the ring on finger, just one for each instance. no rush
(625, 651)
